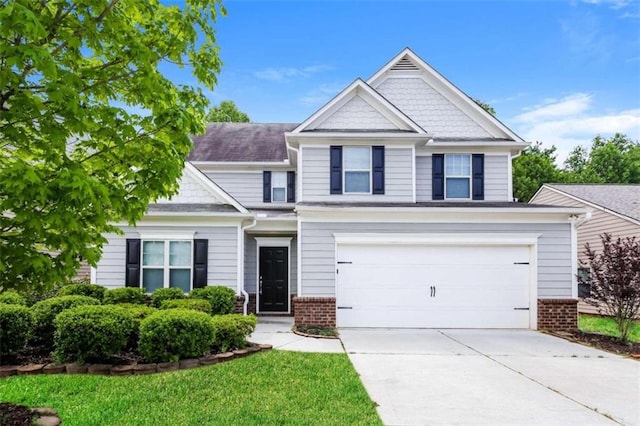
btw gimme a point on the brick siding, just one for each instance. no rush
(558, 314)
(251, 306)
(315, 311)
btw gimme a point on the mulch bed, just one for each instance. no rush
(15, 415)
(604, 342)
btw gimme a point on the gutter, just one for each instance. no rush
(244, 293)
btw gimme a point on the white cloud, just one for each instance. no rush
(287, 73)
(569, 122)
(614, 4)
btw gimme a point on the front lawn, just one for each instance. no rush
(607, 326)
(263, 389)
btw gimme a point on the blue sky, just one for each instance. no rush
(555, 71)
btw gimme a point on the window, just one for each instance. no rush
(166, 263)
(278, 187)
(357, 169)
(584, 275)
(457, 176)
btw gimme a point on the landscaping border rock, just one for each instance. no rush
(129, 369)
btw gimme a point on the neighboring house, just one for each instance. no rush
(391, 206)
(615, 209)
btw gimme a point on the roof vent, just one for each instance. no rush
(404, 64)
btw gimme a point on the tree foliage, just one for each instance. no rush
(612, 160)
(615, 280)
(227, 112)
(75, 157)
(532, 168)
(485, 107)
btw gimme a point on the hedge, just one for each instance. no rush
(91, 333)
(12, 298)
(162, 294)
(222, 299)
(124, 295)
(44, 314)
(92, 290)
(138, 313)
(231, 331)
(16, 324)
(195, 304)
(174, 334)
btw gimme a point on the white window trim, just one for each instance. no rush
(469, 177)
(166, 239)
(286, 194)
(369, 170)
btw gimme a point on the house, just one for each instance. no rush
(615, 209)
(391, 206)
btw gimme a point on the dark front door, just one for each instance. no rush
(273, 279)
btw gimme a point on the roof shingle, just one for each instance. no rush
(622, 199)
(242, 142)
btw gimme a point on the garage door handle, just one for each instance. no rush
(520, 309)
(345, 307)
(433, 291)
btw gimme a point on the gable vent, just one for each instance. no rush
(404, 64)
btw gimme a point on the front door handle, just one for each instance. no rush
(260, 289)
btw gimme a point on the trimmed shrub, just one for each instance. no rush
(175, 333)
(232, 330)
(124, 295)
(35, 295)
(138, 313)
(162, 294)
(91, 333)
(45, 311)
(16, 323)
(195, 304)
(92, 290)
(12, 298)
(222, 299)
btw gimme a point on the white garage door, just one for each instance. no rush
(443, 286)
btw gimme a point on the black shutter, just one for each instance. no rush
(200, 257)
(336, 170)
(291, 187)
(377, 154)
(477, 174)
(266, 187)
(132, 267)
(437, 177)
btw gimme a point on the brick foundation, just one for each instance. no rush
(251, 306)
(315, 311)
(558, 314)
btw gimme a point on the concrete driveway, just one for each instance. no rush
(493, 377)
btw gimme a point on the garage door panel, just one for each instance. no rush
(433, 286)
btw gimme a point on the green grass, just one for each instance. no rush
(607, 326)
(263, 389)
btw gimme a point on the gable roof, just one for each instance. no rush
(197, 194)
(407, 63)
(242, 142)
(395, 119)
(623, 199)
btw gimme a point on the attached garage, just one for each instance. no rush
(438, 281)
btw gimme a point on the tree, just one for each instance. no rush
(615, 280)
(613, 160)
(227, 112)
(485, 107)
(534, 167)
(74, 158)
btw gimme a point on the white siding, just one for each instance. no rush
(318, 251)
(192, 191)
(427, 107)
(356, 114)
(223, 255)
(496, 178)
(398, 185)
(245, 187)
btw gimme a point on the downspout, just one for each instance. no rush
(244, 293)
